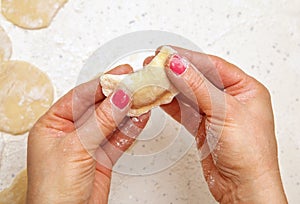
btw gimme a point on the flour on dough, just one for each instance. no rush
(5, 46)
(31, 14)
(16, 193)
(25, 94)
(150, 86)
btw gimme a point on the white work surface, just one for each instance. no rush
(261, 37)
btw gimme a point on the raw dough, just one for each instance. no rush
(31, 14)
(150, 86)
(25, 94)
(5, 46)
(16, 193)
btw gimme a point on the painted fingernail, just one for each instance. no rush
(120, 99)
(177, 64)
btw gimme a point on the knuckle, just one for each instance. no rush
(218, 62)
(105, 120)
(261, 89)
(265, 91)
(196, 81)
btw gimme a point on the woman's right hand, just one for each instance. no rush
(236, 121)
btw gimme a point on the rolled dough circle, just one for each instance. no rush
(25, 94)
(31, 14)
(5, 45)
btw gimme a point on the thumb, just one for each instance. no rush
(105, 120)
(194, 85)
(203, 96)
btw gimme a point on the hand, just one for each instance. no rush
(235, 130)
(63, 145)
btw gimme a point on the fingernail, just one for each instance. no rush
(120, 99)
(177, 64)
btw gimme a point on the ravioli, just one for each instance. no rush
(150, 87)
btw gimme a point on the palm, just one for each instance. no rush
(74, 158)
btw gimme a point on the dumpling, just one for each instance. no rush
(150, 87)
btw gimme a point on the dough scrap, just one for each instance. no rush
(5, 46)
(31, 14)
(16, 193)
(150, 86)
(25, 94)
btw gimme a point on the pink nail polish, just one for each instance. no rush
(177, 64)
(120, 99)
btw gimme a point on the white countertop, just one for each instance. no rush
(261, 37)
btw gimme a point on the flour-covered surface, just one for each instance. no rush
(5, 45)
(31, 14)
(262, 37)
